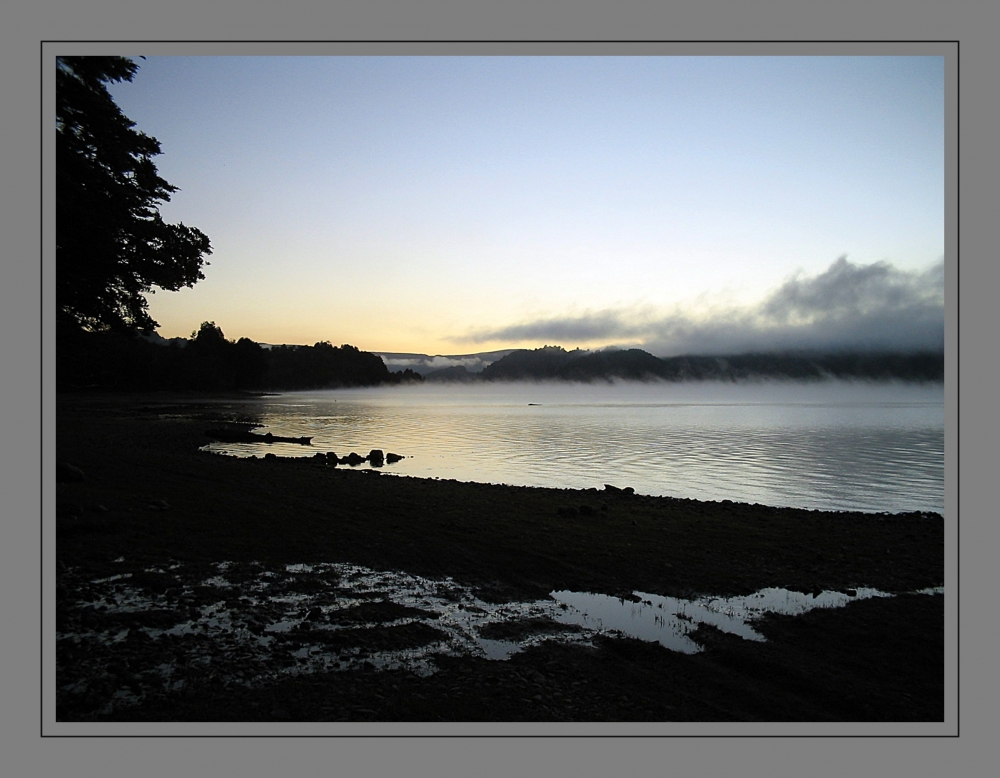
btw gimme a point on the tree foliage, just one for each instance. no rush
(112, 245)
(208, 361)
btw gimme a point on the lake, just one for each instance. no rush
(829, 445)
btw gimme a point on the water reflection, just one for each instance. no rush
(248, 625)
(670, 620)
(832, 447)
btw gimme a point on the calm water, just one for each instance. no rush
(835, 446)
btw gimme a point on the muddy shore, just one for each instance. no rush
(150, 512)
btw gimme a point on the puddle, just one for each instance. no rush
(262, 624)
(670, 620)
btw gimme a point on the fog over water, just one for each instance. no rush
(829, 445)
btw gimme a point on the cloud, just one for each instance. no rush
(848, 306)
(853, 290)
(588, 327)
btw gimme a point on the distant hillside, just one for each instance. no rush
(459, 374)
(426, 364)
(538, 364)
(554, 362)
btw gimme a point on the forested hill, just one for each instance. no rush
(210, 362)
(553, 362)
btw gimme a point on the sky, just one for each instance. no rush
(452, 205)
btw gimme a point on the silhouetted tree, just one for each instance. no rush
(211, 358)
(250, 364)
(112, 246)
(209, 335)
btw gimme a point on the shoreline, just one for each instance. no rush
(148, 496)
(791, 455)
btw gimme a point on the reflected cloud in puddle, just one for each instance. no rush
(269, 623)
(669, 621)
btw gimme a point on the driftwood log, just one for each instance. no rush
(245, 436)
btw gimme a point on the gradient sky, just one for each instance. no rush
(449, 205)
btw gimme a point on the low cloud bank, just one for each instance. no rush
(424, 363)
(848, 306)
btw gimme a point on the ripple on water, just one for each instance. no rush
(833, 447)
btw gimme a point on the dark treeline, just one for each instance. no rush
(210, 362)
(553, 362)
